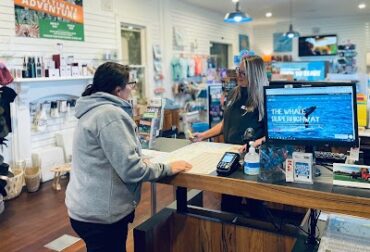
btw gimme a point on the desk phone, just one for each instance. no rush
(228, 163)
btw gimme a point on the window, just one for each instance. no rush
(220, 55)
(132, 44)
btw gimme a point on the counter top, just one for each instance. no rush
(320, 195)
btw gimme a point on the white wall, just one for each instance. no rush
(100, 31)
(160, 16)
(102, 34)
(355, 29)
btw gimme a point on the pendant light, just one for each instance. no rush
(291, 33)
(237, 16)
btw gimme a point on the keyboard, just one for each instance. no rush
(329, 157)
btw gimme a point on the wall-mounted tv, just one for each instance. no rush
(301, 70)
(320, 45)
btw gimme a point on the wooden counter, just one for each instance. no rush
(189, 228)
(323, 196)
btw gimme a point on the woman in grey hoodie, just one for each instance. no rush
(107, 168)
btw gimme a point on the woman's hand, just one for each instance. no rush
(259, 142)
(256, 144)
(242, 148)
(180, 166)
(197, 137)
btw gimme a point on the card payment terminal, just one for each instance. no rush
(228, 163)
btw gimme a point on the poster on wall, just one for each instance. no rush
(243, 42)
(51, 19)
(282, 43)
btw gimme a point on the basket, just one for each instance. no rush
(15, 184)
(32, 176)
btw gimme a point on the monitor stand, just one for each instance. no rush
(311, 149)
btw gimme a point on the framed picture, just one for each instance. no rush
(282, 43)
(243, 42)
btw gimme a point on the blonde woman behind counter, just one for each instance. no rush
(243, 119)
(107, 169)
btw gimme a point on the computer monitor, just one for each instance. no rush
(317, 115)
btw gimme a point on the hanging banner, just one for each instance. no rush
(52, 19)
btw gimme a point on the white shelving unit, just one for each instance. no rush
(29, 90)
(48, 79)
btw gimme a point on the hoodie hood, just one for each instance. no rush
(87, 103)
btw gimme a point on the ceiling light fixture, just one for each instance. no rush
(362, 6)
(237, 16)
(268, 14)
(291, 33)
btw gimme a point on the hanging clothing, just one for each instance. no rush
(184, 67)
(7, 96)
(191, 67)
(198, 65)
(176, 69)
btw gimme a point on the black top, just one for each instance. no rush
(7, 96)
(236, 124)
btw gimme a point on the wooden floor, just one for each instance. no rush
(34, 219)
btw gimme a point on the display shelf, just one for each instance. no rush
(48, 79)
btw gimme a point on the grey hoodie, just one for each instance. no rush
(107, 169)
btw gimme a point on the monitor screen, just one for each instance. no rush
(301, 70)
(312, 115)
(322, 45)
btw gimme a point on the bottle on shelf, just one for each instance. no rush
(25, 68)
(43, 68)
(251, 161)
(54, 109)
(38, 68)
(31, 67)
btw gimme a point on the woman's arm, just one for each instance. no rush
(214, 131)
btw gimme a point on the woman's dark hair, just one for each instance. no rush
(107, 77)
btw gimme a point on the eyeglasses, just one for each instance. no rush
(132, 84)
(239, 71)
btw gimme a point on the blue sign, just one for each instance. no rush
(301, 71)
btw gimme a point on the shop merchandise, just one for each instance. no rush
(303, 167)
(191, 67)
(184, 67)
(7, 96)
(198, 65)
(38, 68)
(5, 76)
(54, 109)
(176, 69)
(346, 61)
(251, 161)
(40, 120)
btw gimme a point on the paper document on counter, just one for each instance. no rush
(204, 156)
